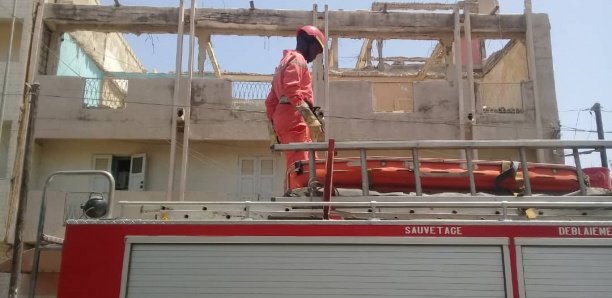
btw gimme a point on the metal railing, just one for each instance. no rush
(467, 146)
(43, 209)
(244, 90)
(105, 93)
(506, 203)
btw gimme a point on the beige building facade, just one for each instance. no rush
(127, 129)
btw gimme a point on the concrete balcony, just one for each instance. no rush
(139, 109)
(222, 110)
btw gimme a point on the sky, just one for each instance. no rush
(580, 44)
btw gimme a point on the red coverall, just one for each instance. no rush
(291, 80)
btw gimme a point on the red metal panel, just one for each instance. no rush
(329, 176)
(93, 253)
(513, 268)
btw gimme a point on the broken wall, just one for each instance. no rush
(352, 116)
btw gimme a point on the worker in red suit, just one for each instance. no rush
(290, 105)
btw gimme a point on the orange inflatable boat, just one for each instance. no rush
(439, 175)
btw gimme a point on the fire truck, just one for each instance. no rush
(534, 230)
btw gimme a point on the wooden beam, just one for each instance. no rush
(377, 6)
(365, 55)
(267, 22)
(213, 59)
(435, 56)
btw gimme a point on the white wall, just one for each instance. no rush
(213, 166)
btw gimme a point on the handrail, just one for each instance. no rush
(43, 209)
(372, 205)
(449, 144)
(434, 204)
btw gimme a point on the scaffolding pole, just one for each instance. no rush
(175, 96)
(187, 107)
(459, 72)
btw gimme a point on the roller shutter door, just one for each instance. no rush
(559, 272)
(314, 270)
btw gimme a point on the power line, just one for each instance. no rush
(575, 129)
(575, 110)
(221, 107)
(577, 118)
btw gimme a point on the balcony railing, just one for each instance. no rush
(105, 93)
(245, 90)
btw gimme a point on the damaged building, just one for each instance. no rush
(201, 134)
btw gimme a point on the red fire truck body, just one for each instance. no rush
(336, 259)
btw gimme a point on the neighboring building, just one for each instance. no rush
(88, 55)
(12, 102)
(123, 124)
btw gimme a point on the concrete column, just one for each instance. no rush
(381, 62)
(203, 41)
(333, 54)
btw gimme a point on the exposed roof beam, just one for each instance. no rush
(497, 56)
(267, 22)
(213, 59)
(365, 55)
(377, 6)
(435, 56)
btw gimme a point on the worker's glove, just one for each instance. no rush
(318, 112)
(320, 136)
(314, 125)
(273, 136)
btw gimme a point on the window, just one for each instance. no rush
(500, 89)
(392, 97)
(504, 98)
(5, 34)
(128, 171)
(256, 178)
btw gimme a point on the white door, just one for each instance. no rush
(314, 270)
(266, 178)
(567, 271)
(247, 183)
(101, 163)
(138, 168)
(256, 178)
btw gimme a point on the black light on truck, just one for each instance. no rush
(96, 206)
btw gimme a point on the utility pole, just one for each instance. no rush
(23, 194)
(600, 133)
